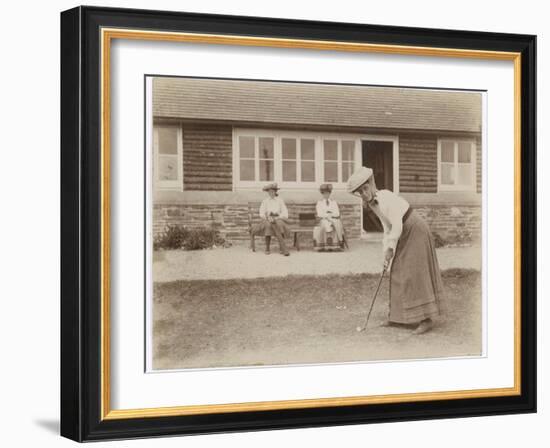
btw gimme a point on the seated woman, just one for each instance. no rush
(274, 215)
(329, 234)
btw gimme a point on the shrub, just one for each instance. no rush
(173, 237)
(202, 239)
(180, 237)
(439, 242)
(460, 238)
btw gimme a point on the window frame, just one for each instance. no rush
(168, 184)
(278, 136)
(473, 158)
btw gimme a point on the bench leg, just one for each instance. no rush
(297, 241)
(345, 241)
(253, 242)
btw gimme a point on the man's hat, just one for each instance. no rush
(359, 178)
(325, 187)
(271, 186)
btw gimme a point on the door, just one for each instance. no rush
(377, 155)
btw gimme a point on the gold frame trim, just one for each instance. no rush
(107, 35)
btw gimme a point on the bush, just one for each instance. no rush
(438, 240)
(180, 237)
(202, 239)
(460, 238)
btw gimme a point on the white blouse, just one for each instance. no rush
(390, 208)
(275, 205)
(329, 210)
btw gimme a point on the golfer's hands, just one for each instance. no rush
(387, 258)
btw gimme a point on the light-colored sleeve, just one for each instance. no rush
(392, 209)
(385, 237)
(336, 211)
(321, 209)
(284, 210)
(394, 234)
(262, 210)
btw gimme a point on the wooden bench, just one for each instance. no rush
(295, 232)
(306, 223)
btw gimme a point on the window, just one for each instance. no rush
(267, 156)
(292, 158)
(167, 165)
(307, 160)
(457, 171)
(339, 159)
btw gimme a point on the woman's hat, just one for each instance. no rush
(325, 188)
(271, 186)
(359, 178)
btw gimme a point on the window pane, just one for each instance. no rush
(247, 170)
(289, 171)
(246, 147)
(464, 153)
(331, 150)
(168, 168)
(308, 171)
(347, 170)
(447, 152)
(465, 174)
(289, 148)
(308, 149)
(266, 170)
(266, 147)
(348, 150)
(168, 140)
(331, 172)
(447, 174)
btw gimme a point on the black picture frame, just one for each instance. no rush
(81, 215)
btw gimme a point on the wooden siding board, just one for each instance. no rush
(207, 157)
(417, 163)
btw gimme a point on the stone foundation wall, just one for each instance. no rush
(232, 219)
(451, 224)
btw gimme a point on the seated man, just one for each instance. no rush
(274, 219)
(329, 234)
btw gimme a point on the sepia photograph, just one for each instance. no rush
(294, 223)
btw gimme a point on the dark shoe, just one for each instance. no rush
(388, 323)
(424, 326)
(286, 254)
(267, 252)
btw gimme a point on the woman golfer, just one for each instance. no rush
(409, 252)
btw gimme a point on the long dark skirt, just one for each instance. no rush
(415, 280)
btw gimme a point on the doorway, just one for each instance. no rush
(377, 155)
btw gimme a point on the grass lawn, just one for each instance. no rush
(300, 320)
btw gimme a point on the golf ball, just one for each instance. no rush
(358, 328)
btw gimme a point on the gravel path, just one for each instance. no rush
(241, 262)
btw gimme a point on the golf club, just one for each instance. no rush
(364, 327)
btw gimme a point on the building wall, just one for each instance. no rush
(450, 224)
(232, 220)
(418, 163)
(207, 157)
(453, 224)
(478, 164)
(207, 167)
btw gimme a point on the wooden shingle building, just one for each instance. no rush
(217, 142)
